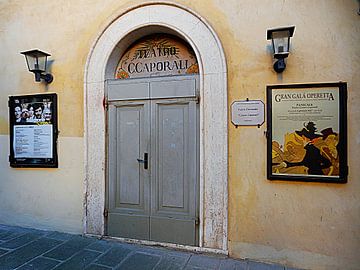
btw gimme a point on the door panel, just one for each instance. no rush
(182, 87)
(129, 226)
(118, 90)
(173, 172)
(129, 190)
(171, 230)
(170, 162)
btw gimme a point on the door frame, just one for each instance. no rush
(118, 34)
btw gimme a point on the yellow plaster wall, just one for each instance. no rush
(307, 225)
(313, 226)
(49, 199)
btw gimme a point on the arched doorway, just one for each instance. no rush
(102, 61)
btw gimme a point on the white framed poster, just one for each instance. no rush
(307, 137)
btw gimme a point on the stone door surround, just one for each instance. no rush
(101, 64)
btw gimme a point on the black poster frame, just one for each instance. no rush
(341, 146)
(24, 110)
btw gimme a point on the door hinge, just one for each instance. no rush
(106, 213)
(197, 99)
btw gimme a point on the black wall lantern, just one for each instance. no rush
(36, 61)
(280, 38)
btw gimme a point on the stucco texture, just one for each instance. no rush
(295, 219)
(308, 225)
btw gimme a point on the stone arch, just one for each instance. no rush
(101, 62)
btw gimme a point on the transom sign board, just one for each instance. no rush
(157, 55)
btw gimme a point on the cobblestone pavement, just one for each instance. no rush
(30, 249)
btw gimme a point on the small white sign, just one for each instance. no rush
(248, 113)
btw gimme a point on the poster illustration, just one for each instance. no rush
(307, 132)
(33, 130)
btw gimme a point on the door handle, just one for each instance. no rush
(144, 161)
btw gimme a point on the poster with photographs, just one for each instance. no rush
(33, 130)
(307, 137)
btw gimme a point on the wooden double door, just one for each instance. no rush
(153, 159)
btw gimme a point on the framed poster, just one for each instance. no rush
(307, 132)
(33, 131)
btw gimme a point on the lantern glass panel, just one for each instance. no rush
(31, 62)
(36, 60)
(42, 63)
(281, 42)
(36, 63)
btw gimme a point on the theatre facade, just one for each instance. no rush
(229, 127)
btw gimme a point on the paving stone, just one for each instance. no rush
(264, 266)
(3, 251)
(191, 267)
(179, 253)
(79, 261)
(139, 261)
(11, 228)
(69, 248)
(151, 250)
(15, 229)
(39, 263)
(114, 256)
(21, 240)
(204, 261)
(97, 267)
(227, 265)
(241, 265)
(171, 262)
(126, 245)
(21, 255)
(4, 232)
(20, 248)
(230, 264)
(8, 235)
(100, 246)
(60, 236)
(30, 230)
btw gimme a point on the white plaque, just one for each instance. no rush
(248, 113)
